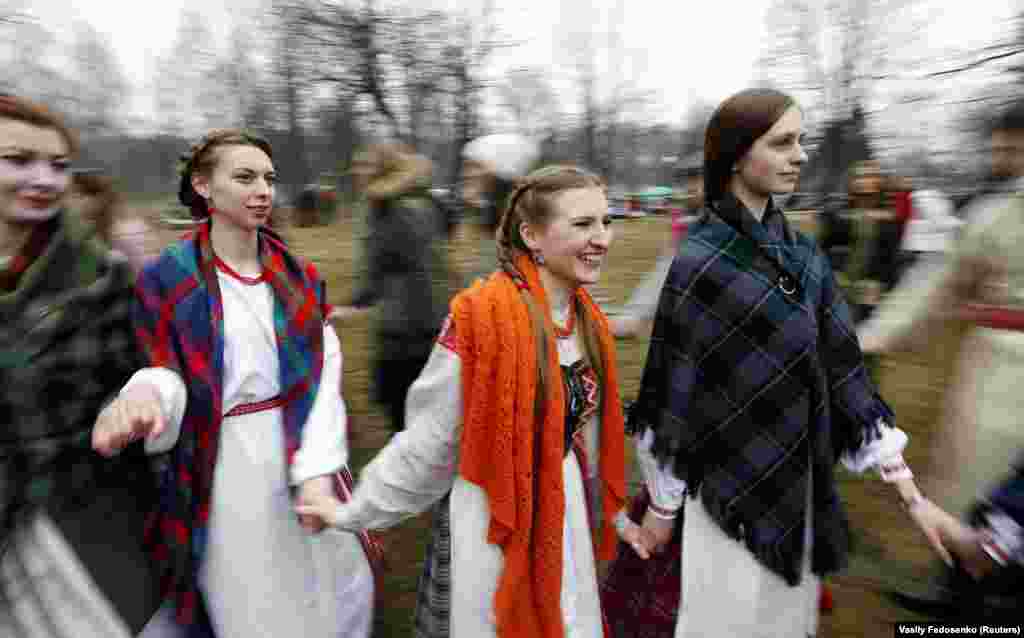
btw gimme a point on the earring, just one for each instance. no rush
(538, 257)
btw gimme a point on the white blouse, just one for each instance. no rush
(252, 373)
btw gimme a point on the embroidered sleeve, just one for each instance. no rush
(173, 400)
(447, 334)
(418, 466)
(1003, 538)
(884, 453)
(667, 492)
(1000, 517)
(324, 447)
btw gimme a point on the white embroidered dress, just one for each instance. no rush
(420, 465)
(725, 591)
(262, 573)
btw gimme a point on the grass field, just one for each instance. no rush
(888, 550)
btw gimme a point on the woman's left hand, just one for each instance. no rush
(317, 503)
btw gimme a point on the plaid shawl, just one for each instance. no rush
(178, 318)
(65, 347)
(753, 379)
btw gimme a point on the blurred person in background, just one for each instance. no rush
(240, 406)
(639, 310)
(407, 273)
(871, 266)
(101, 206)
(72, 563)
(754, 388)
(980, 281)
(490, 167)
(515, 433)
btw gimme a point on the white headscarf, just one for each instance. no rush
(510, 156)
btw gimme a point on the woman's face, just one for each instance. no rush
(575, 241)
(772, 165)
(34, 172)
(241, 186)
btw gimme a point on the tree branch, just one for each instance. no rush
(976, 63)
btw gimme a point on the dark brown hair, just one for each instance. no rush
(732, 130)
(29, 112)
(533, 201)
(202, 159)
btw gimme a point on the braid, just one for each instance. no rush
(508, 230)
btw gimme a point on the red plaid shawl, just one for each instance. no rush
(179, 325)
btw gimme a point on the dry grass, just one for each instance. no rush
(888, 549)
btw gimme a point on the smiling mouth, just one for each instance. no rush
(40, 202)
(592, 260)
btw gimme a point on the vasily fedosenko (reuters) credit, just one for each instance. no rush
(956, 629)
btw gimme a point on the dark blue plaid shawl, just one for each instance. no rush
(753, 379)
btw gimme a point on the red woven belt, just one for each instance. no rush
(258, 406)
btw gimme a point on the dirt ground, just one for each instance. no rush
(888, 553)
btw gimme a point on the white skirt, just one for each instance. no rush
(476, 564)
(51, 593)
(262, 573)
(727, 592)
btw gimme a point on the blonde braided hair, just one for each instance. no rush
(532, 201)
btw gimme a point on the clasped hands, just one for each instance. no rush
(650, 537)
(137, 414)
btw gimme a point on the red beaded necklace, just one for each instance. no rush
(570, 322)
(228, 270)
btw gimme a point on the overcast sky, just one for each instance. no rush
(681, 51)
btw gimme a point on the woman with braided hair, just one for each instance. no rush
(240, 405)
(514, 433)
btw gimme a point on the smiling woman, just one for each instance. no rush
(66, 346)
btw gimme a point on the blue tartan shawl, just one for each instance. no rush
(754, 378)
(179, 325)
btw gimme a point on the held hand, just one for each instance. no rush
(135, 414)
(658, 531)
(634, 536)
(965, 543)
(316, 504)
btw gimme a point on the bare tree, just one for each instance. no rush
(99, 85)
(531, 102)
(185, 98)
(837, 53)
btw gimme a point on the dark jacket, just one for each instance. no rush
(407, 274)
(68, 346)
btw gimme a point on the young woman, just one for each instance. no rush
(515, 432)
(66, 346)
(242, 402)
(754, 386)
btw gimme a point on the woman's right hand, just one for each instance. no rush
(135, 414)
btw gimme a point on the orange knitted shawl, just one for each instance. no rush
(522, 476)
